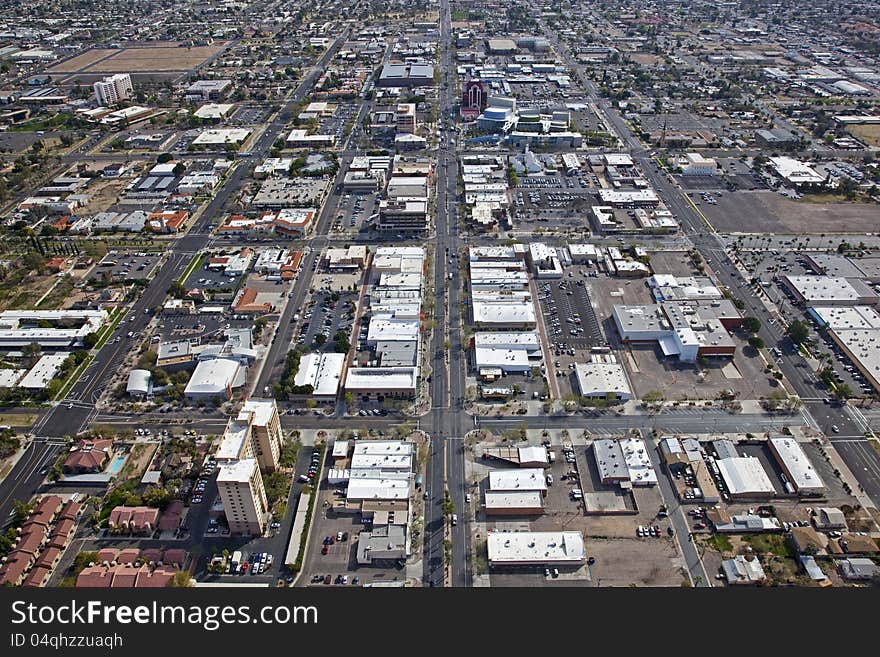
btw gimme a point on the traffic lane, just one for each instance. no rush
(26, 477)
(864, 462)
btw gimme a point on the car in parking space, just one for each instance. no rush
(325, 549)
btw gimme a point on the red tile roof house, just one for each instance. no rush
(62, 533)
(167, 221)
(128, 556)
(89, 457)
(46, 509)
(31, 542)
(158, 578)
(172, 516)
(125, 576)
(94, 577)
(70, 511)
(151, 555)
(12, 572)
(133, 519)
(175, 557)
(38, 576)
(107, 555)
(49, 557)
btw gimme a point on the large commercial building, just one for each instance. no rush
(604, 380)
(830, 291)
(744, 477)
(407, 75)
(19, 328)
(215, 378)
(254, 433)
(113, 89)
(796, 465)
(506, 351)
(685, 330)
(265, 424)
(564, 548)
(403, 214)
(244, 497)
(376, 382)
(322, 372)
(624, 462)
(856, 330)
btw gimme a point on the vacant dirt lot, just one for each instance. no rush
(81, 62)
(139, 60)
(769, 212)
(869, 133)
(635, 561)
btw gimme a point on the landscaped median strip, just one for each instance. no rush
(195, 264)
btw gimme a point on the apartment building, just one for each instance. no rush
(244, 497)
(113, 89)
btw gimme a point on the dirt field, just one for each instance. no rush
(81, 62)
(646, 59)
(635, 561)
(769, 212)
(138, 60)
(103, 195)
(869, 133)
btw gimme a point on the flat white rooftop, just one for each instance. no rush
(536, 547)
(321, 371)
(505, 499)
(797, 465)
(262, 410)
(232, 446)
(239, 472)
(390, 379)
(744, 475)
(517, 479)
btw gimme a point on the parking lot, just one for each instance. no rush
(568, 308)
(190, 327)
(211, 281)
(249, 116)
(354, 212)
(122, 266)
(326, 317)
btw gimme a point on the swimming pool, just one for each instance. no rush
(116, 465)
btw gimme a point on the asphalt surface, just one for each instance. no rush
(26, 477)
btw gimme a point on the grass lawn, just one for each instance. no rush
(17, 419)
(826, 198)
(769, 544)
(720, 543)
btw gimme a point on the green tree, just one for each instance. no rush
(90, 340)
(798, 331)
(653, 396)
(181, 579)
(751, 324)
(756, 342)
(843, 392)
